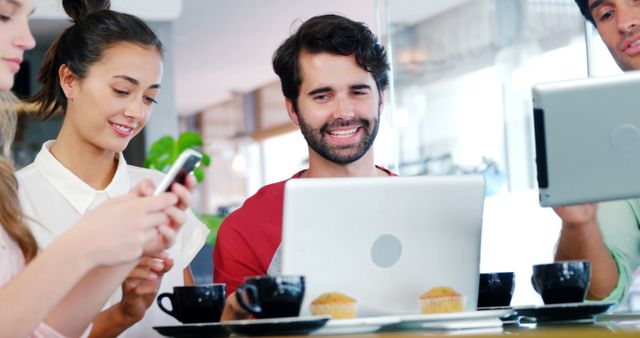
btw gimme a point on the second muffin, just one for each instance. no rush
(338, 305)
(442, 300)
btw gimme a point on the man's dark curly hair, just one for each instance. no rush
(331, 34)
(584, 8)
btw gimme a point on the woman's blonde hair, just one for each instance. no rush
(11, 216)
(7, 120)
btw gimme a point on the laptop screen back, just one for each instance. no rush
(384, 241)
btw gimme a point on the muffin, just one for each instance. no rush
(442, 300)
(335, 304)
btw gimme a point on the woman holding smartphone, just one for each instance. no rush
(103, 74)
(60, 290)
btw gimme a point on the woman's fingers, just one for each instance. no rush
(183, 193)
(190, 182)
(168, 264)
(168, 235)
(177, 216)
(160, 202)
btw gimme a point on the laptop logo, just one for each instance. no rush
(626, 137)
(386, 251)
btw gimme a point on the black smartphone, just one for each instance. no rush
(188, 160)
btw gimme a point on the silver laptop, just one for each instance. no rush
(587, 135)
(384, 241)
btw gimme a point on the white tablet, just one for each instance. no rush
(587, 135)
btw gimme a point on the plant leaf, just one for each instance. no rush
(206, 160)
(199, 174)
(164, 152)
(159, 151)
(189, 139)
(161, 146)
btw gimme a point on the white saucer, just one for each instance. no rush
(356, 325)
(276, 326)
(467, 315)
(274, 320)
(463, 324)
(487, 318)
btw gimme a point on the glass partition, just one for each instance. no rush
(462, 87)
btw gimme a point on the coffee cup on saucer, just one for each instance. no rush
(195, 304)
(562, 282)
(496, 289)
(272, 296)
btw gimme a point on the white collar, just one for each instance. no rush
(75, 190)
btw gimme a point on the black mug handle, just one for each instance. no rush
(252, 295)
(159, 301)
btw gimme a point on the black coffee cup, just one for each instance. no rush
(195, 304)
(496, 289)
(562, 282)
(272, 296)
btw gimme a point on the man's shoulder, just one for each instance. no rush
(267, 197)
(265, 204)
(268, 193)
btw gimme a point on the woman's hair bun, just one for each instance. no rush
(79, 9)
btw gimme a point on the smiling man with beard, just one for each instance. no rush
(333, 73)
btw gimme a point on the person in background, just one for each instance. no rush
(333, 73)
(103, 74)
(61, 289)
(607, 234)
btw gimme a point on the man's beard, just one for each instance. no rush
(344, 154)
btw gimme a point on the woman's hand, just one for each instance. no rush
(123, 228)
(177, 216)
(141, 287)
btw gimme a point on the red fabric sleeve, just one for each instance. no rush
(249, 237)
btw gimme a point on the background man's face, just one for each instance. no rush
(338, 107)
(618, 22)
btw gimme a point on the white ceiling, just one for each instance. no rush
(225, 46)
